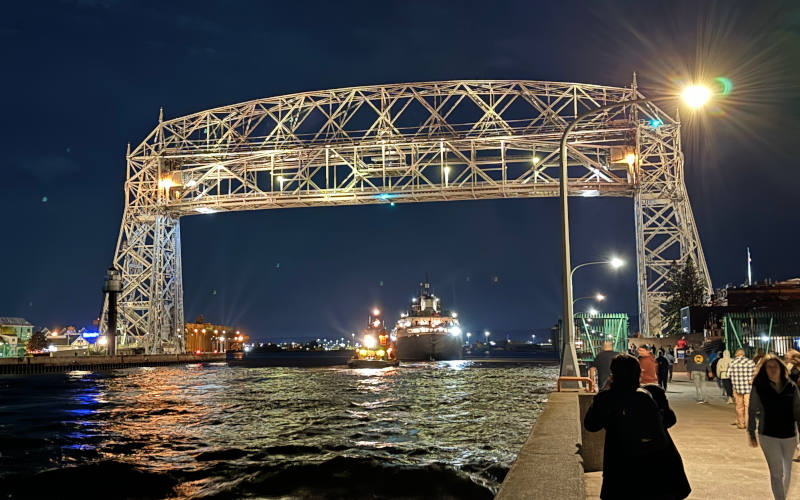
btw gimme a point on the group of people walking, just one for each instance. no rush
(633, 408)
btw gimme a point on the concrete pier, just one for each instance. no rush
(716, 454)
(43, 364)
(549, 466)
(560, 460)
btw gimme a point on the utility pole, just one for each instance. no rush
(112, 287)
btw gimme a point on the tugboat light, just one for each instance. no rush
(363, 352)
(369, 341)
(455, 331)
(380, 353)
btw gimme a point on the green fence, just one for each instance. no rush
(771, 331)
(591, 330)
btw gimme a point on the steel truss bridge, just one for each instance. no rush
(397, 143)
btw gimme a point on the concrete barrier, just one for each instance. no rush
(549, 465)
(592, 443)
(42, 364)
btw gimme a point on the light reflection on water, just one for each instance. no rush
(232, 432)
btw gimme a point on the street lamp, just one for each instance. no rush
(695, 97)
(614, 262)
(599, 297)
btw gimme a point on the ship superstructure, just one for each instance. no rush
(426, 331)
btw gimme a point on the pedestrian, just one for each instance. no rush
(793, 359)
(741, 373)
(760, 353)
(635, 420)
(601, 366)
(793, 363)
(722, 375)
(648, 366)
(775, 404)
(697, 366)
(713, 359)
(653, 350)
(662, 369)
(671, 358)
(681, 343)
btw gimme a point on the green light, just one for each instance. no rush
(725, 83)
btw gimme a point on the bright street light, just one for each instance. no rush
(598, 297)
(592, 311)
(616, 262)
(696, 96)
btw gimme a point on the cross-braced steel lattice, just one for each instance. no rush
(398, 143)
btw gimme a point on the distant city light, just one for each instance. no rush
(655, 123)
(535, 160)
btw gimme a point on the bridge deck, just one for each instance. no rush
(716, 455)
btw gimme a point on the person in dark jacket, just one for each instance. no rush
(775, 405)
(635, 420)
(662, 369)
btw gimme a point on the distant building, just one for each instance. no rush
(760, 316)
(19, 327)
(208, 337)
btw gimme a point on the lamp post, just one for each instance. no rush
(694, 96)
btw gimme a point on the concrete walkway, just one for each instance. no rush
(716, 455)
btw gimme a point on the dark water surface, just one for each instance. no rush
(435, 430)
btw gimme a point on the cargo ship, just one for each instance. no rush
(377, 349)
(428, 332)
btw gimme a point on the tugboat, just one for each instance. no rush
(428, 332)
(377, 349)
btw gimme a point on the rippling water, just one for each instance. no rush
(438, 430)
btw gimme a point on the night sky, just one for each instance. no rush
(83, 78)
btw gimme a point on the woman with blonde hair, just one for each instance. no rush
(775, 405)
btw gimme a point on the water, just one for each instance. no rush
(436, 430)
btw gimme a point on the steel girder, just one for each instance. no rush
(413, 142)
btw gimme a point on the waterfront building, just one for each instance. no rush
(202, 336)
(759, 316)
(19, 327)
